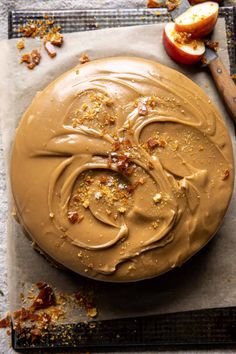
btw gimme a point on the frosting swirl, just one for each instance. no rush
(121, 169)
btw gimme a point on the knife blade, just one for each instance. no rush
(222, 79)
(181, 7)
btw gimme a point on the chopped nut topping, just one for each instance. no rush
(225, 175)
(122, 210)
(142, 108)
(74, 217)
(152, 143)
(86, 204)
(84, 59)
(182, 37)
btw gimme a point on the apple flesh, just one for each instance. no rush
(199, 20)
(180, 47)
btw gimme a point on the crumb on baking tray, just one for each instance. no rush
(84, 58)
(41, 310)
(44, 29)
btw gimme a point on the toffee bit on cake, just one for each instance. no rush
(20, 44)
(86, 204)
(74, 217)
(122, 210)
(157, 198)
(142, 108)
(124, 165)
(98, 195)
(103, 179)
(225, 175)
(150, 165)
(50, 49)
(152, 143)
(84, 58)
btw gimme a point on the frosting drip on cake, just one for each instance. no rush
(121, 169)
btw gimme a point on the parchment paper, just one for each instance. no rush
(208, 279)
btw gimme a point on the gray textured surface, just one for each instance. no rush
(5, 6)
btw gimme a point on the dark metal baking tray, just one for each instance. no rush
(208, 328)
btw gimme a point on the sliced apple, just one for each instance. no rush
(194, 2)
(181, 47)
(199, 20)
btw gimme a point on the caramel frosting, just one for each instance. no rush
(121, 169)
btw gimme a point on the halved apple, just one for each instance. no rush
(181, 47)
(194, 2)
(199, 20)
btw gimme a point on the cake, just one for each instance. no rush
(121, 169)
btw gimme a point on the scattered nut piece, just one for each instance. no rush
(55, 38)
(50, 49)
(20, 44)
(25, 58)
(35, 56)
(84, 59)
(31, 66)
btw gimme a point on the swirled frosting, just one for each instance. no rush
(121, 169)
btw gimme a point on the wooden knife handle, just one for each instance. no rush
(225, 85)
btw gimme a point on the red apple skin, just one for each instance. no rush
(199, 29)
(195, 2)
(177, 53)
(207, 26)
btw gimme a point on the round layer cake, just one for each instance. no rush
(121, 169)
